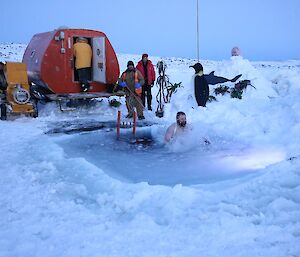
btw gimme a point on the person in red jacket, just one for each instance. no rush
(146, 67)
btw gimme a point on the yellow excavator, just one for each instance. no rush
(15, 91)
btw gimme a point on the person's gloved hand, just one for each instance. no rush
(152, 84)
(137, 85)
(138, 88)
(123, 84)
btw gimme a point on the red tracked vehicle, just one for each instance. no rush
(50, 64)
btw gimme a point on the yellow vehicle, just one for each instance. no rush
(15, 91)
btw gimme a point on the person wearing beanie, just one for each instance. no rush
(146, 67)
(201, 88)
(132, 80)
(130, 63)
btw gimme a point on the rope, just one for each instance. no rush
(138, 99)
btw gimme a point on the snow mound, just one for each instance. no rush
(86, 194)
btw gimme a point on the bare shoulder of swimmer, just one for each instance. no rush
(170, 132)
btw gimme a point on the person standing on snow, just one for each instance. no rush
(132, 81)
(83, 54)
(146, 67)
(177, 128)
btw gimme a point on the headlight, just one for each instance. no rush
(21, 95)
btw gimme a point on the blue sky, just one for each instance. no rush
(263, 29)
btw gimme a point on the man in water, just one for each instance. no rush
(177, 128)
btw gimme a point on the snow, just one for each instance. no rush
(87, 194)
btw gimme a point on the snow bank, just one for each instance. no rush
(53, 203)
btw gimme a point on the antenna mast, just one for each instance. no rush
(197, 31)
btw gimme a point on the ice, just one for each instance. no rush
(89, 194)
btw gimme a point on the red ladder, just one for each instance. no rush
(126, 124)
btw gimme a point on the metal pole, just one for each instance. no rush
(118, 124)
(197, 31)
(134, 123)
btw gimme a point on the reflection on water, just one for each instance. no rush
(151, 161)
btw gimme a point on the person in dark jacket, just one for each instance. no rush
(146, 67)
(201, 88)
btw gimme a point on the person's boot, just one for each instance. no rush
(82, 88)
(141, 117)
(149, 108)
(85, 87)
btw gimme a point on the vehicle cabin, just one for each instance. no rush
(51, 65)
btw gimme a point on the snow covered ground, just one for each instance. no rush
(87, 194)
